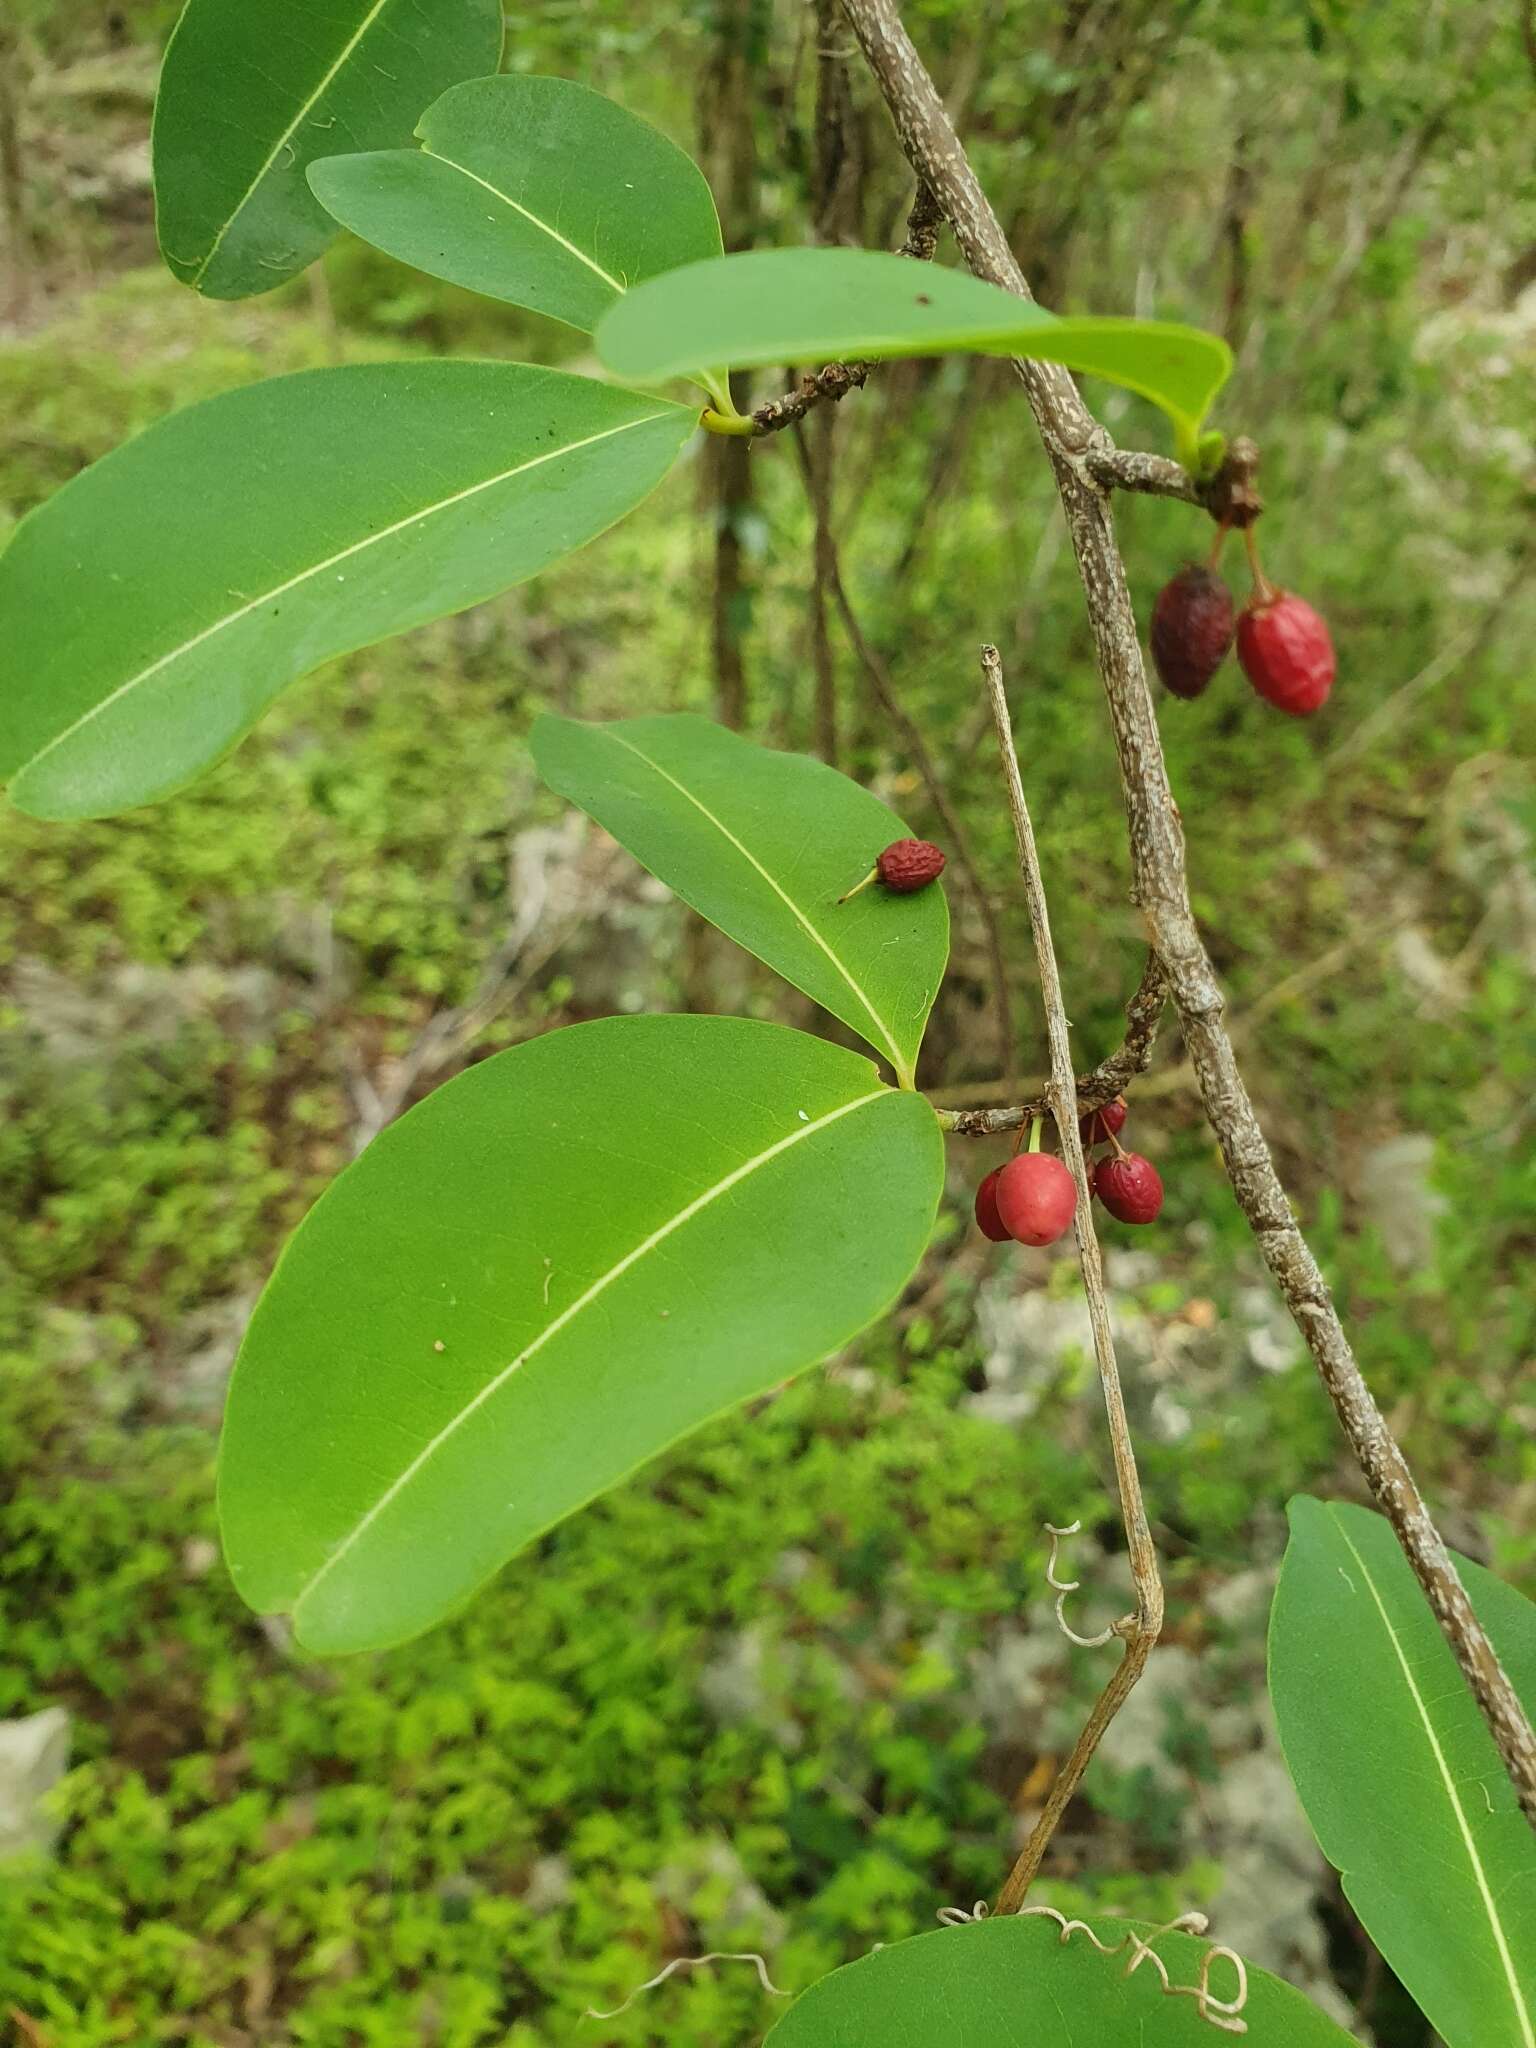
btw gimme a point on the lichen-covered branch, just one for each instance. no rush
(836, 380)
(1101, 1084)
(1072, 437)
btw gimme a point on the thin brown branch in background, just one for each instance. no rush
(820, 458)
(1139, 1631)
(17, 251)
(1071, 434)
(958, 840)
(1236, 206)
(1101, 1084)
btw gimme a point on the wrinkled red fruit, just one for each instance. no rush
(1036, 1198)
(909, 864)
(1130, 1187)
(987, 1219)
(1102, 1123)
(1286, 653)
(1191, 629)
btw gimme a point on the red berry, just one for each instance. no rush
(989, 1222)
(1036, 1198)
(909, 864)
(1191, 629)
(1286, 652)
(1103, 1123)
(1130, 1187)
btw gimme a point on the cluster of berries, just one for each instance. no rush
(1282, 643)
(1033, 1198)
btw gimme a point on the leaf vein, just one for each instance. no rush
(420, 514)
(886, 1034)
(596, 1288)
(533, 218)
(1501, 1943)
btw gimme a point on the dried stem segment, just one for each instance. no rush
(1072, 436)
(1140, 1630)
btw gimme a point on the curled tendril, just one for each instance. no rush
(1062, 1587)
(692, 1963)
(1217, 2012)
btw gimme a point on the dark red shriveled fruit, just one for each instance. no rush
(1130, 1187)
(1191, 629)
(1036, 1198)
(1102, 1123)
(910, 864)
(1286, 652)
(987, 1219)
(905, 866)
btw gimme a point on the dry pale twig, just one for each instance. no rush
(1138, 1631)
(1071, 437)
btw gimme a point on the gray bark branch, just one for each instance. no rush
(1071, 437)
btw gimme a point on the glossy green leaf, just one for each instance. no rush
(1014, 1983)
(1398, 1774)
(533, 190)
(251, 94)
(820, 305)
(763, 844)
(548, 1271)
(151, 610)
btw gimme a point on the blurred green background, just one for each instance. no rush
(798, 1685)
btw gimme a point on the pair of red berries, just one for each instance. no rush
(1282, 643)
(1033, 1198)
(1129, 1185)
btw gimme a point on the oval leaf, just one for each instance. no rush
(532, 190)
(1013, 1983)
(551, 1269)
(151, 610)
(250, 95)
(763, 844)
(818, 305)
(1398, 1774)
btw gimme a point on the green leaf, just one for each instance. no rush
(1398, 1774)
(818, 305)
(151, 610)
(250, 95)
(1013, 1983)
(555, 1266)
(763, 844)
(532, 190)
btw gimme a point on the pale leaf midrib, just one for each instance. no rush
(886, 1034)
(306, 107)
(567, 1316)
(1522, 2011)
(219, 625)
(533, 219)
